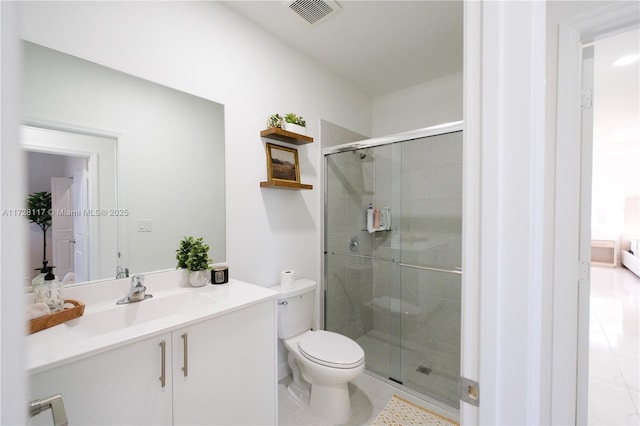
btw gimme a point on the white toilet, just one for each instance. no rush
(322, 362)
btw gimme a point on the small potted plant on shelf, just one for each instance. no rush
(275, 120)
(295, 123)
(193, 255)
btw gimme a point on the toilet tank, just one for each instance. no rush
(295, 308)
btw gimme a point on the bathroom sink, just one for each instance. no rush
(119, 317)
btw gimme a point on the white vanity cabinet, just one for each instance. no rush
(230, 377)
(119, 386)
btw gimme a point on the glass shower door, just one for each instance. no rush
(396, 289)
(429, 259)
(359, 269)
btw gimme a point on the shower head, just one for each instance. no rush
(360, 153)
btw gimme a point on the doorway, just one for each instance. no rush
(614, 295)
(572, 240)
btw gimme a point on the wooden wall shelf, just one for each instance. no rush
(281, 135)
(284, 185)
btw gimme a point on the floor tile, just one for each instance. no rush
(614, 347)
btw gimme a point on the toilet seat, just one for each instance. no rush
(331, 349)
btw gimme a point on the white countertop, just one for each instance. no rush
(70, 341)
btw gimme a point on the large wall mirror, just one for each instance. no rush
(133, 167)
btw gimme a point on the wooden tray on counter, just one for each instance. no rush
(41, 323)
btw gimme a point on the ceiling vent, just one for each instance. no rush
(314, 11)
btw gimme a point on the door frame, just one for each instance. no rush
(505, 297)
(570, 336)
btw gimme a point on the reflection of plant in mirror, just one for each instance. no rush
(193, 254)
(39, 212)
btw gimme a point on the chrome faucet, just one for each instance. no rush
(136, 292)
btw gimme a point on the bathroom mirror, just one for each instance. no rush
(155, 175)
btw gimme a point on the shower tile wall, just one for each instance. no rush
(431, 234)
(348, 278)
(344, 308)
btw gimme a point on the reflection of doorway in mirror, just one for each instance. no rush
(85, 244)
(66, 242)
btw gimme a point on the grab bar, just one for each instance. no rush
(363, 256)
(430, 268)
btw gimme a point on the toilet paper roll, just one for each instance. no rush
(287, 279)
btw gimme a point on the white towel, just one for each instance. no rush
(37, 310)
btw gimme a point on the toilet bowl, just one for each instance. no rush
(322, 362)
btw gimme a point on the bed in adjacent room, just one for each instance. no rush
(631, 257)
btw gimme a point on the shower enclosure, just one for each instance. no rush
(393, 284)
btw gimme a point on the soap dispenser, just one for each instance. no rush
(50, 290)
(370, 218)
(40, 278)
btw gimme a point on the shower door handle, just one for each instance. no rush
(457, 271)
(363, 256)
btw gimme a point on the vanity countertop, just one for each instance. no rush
(106, 325)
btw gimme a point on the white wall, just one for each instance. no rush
(206, 49)
(13, 229)
(433, 102)
(616, 139)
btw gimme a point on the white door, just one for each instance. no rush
(81, 224)
(62, 225)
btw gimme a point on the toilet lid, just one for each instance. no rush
(331, 349)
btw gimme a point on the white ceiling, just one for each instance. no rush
(379, 46)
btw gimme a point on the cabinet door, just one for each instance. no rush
(118, 387)
(231, 373)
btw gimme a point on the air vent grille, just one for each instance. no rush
(314, 11)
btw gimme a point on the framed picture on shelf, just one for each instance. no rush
(282, 163)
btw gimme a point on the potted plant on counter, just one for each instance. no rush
(193, 255)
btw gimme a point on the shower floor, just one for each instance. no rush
(425, 370)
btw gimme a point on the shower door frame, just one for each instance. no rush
(437, 130)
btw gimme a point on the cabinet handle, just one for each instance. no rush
(185, 348)
(163, 358)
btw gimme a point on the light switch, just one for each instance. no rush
(145, 225)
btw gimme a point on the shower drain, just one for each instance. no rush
(424, 370)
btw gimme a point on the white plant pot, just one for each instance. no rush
(290, 127)
(199, 278)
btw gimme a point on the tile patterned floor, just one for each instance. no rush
(614, 340)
